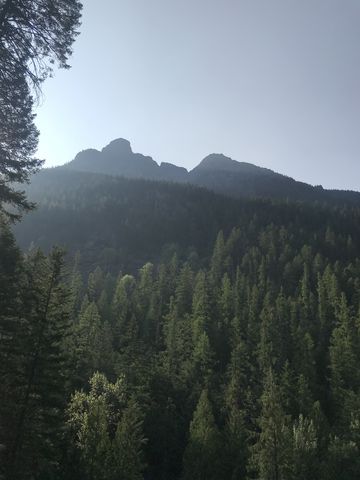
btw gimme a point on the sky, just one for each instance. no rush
(271, 82)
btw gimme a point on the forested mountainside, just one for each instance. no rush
(188, 335)
(216, 172)
(242, 364)
(120, 223)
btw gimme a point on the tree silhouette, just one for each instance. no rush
(34, 35)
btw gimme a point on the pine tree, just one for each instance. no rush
(270, 346)
(235, 441)
(34, 34)
(201, 454)
(200, 307)
(304, 456)
(39, 399)
(239, 393)
(172, 335)
(271, 454)
(12, 283)
(95, 284)
(343, 361)
(76, 286)
(304, 397)
(184, 290)
(239, 323)
(92, 340)
(224, 322)
(93, 440)
(342, 460)
(144, 291)
(123, 315)
(217, 260)
(127, 458)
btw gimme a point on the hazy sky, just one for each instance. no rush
(271, 82)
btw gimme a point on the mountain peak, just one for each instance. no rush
(117, 158)
(119, 146)
(216, 161)
(220, 162)
(216, 172)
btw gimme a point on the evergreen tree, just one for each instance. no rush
(34, 34)
(224, 322)
(12, 282)
(217, 260)
(144, 292)
(200, 307)
(177, 341)
(235, 440)
(93, 440)
(40, 394)
(184, 290)
(240, 390)
(92, 344)
(127, 461)
(95, 286)
(76, 286)
(342, 460)
(271, 342)
(343, 361)
(201, 454)
(202, 352)
(305, 463)
(271, 454)
(124, 323)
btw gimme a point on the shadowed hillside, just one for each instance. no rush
(121, 223)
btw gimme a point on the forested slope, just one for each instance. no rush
(188, 336)
(243, 365)
(121, 223)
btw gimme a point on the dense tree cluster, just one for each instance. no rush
(237, 365)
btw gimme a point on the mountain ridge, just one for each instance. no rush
(216, 172)
(120, 149)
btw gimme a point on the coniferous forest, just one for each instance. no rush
(151, 330)
(240, 365)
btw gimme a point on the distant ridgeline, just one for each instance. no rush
(121, 209)
(216, 172)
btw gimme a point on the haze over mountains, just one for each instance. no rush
(216, 172)
(122, 208)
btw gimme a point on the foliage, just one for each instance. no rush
(233, 362)
(34, 34)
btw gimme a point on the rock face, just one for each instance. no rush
(87, 160)
(216, 172)
(118, 147)
(117, 158)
